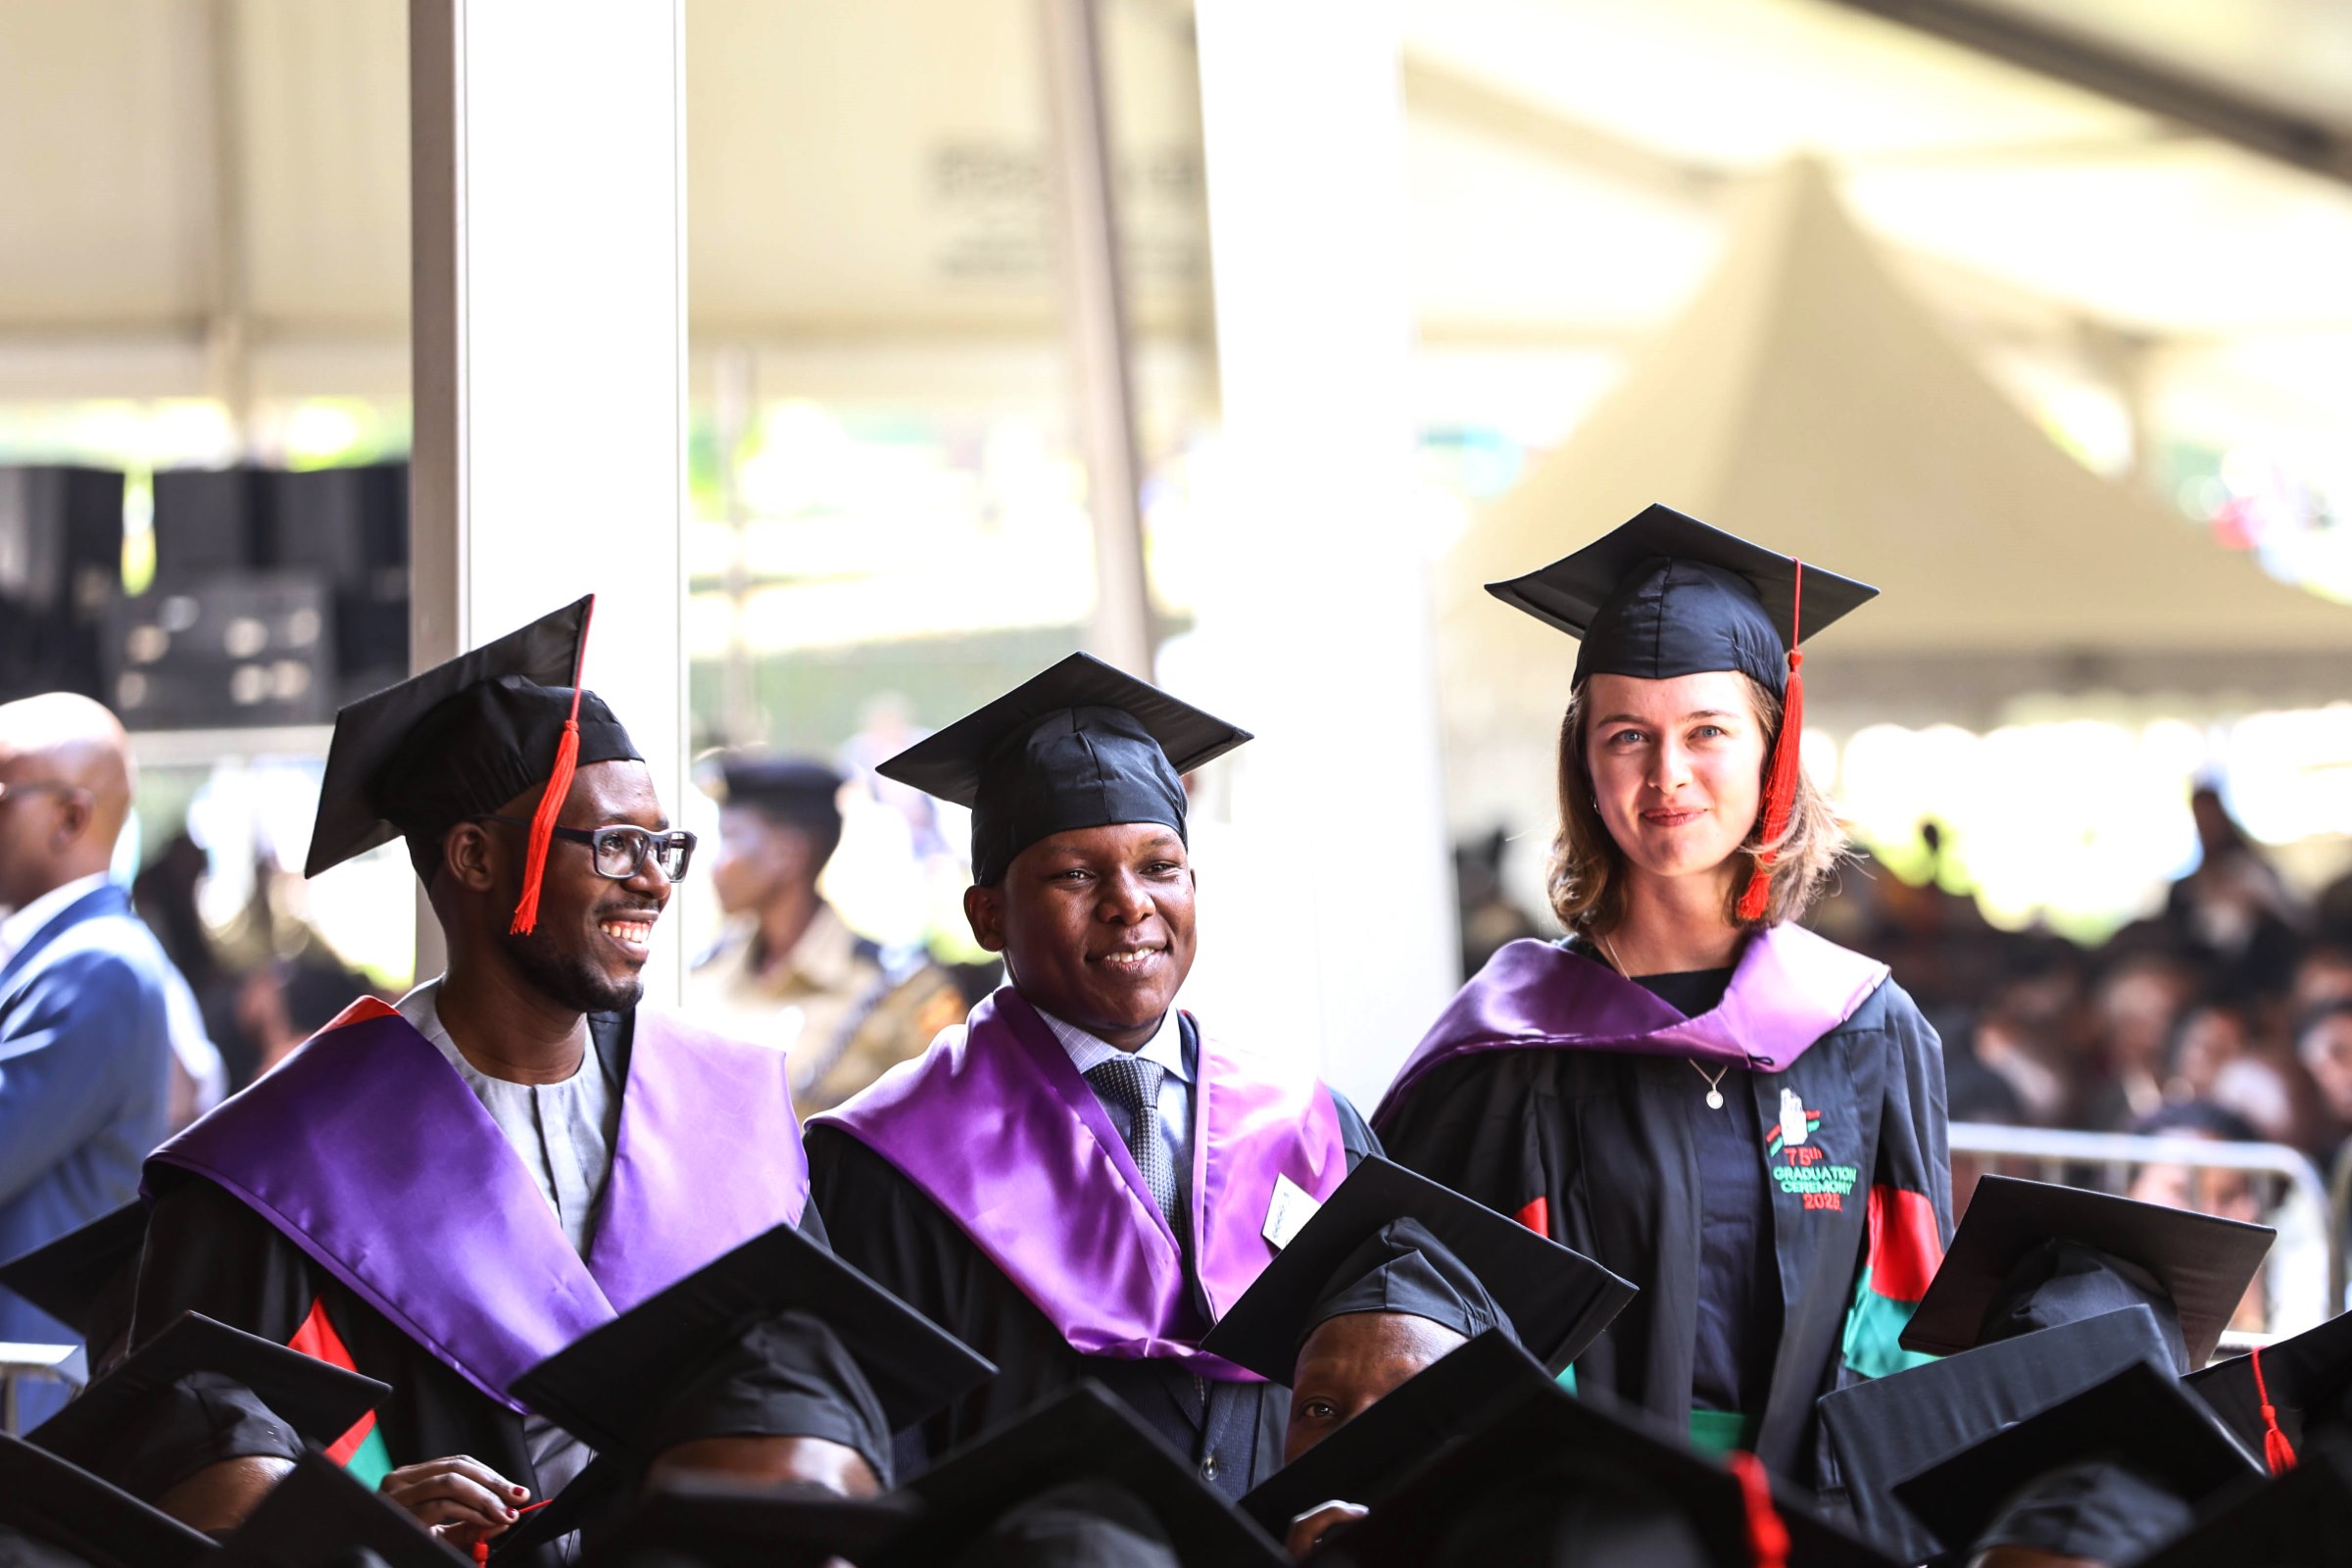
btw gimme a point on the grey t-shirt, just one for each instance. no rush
(563, 1135)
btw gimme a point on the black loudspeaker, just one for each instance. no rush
(60, 562)
(208, 522)
(349, 523)
(60, 537)
(352, 525)
(250, 649)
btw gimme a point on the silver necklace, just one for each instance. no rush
(1714, 1084)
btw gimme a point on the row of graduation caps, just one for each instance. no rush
(2072, 1427)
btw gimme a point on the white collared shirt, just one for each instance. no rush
(24, 924)
(1166, 1047)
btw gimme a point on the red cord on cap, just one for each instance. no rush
(1780, 776)
(2277, 1452)
(1767, 1536)
(550, 800)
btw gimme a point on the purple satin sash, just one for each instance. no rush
(365, 1149)
(998, 1129)
(1791, 987)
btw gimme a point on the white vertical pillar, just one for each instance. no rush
(549, 326)
(1349, 907)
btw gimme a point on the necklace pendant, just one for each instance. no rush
(1714, 1099)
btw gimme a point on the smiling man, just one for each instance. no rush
(444, 1193)
(1081, 1180)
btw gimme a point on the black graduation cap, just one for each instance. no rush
(462, 739)
(73, 1277)
(1567, 1473)
(792, 789)
(1082, 1437)
(2303, 1380)
(1082, 744)
(608, 1387)
(1555, 1301)
(2200, 1263)
(1365, 1460)
(1665, 594)
(198, 1392)
(64, 1507)
(2107, 1473)
(2297, 1521)
(1890, 1428)
(709, 1520)
(319, 1517)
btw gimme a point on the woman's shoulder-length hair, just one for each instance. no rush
(1585, 876)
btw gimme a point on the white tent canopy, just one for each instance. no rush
(1805, 401)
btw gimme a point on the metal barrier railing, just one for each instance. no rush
(2056, 1155)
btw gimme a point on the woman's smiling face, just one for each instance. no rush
(1677, 767)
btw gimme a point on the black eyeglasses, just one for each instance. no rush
(620, 851)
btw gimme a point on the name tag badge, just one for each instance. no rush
(1287, 1215)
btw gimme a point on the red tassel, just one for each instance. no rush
(1767, 1536)
(2277, 1452)
(551, 799)
(1779, 775)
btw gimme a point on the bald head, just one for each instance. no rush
(65, 792)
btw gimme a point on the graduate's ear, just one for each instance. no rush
(984, 912)
(469, 858)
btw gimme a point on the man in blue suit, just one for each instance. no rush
(85, 1041)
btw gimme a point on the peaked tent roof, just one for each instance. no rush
(1806, 401)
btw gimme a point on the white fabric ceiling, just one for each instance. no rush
(868, 172)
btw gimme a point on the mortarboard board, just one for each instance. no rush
(73, 1277)
(1890, 1428)
(463, 739)
(64, 1507)
(1664, 595)
(608, 1387)
(2089, 1474)
(1082, 744)
(2296, 1521)
(2302, 1381)
(2200, 1263)
(319, 1517)
(1365, 1460)
(1558, 1477)
(1082, 1436)
(200, 1392)
(791, 789)
(1555, 1301)
(706, 1520)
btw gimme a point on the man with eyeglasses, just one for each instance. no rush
(441, 1194)
(85, 1042)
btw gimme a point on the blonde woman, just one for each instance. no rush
(1741, 1117)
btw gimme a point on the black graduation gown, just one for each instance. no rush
(1604, 1139)
(207, 1252)
(890, 1228)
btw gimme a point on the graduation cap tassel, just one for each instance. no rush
(2277, 1452)
(551, 799)
(1767, 1534)
(1779, 775)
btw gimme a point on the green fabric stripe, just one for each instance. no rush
(1873, 1331)
(371, 1461)
(1719, 1432)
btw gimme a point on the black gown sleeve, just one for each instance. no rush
(1480, 1124)
(1355, 1133)
(206, 1252)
